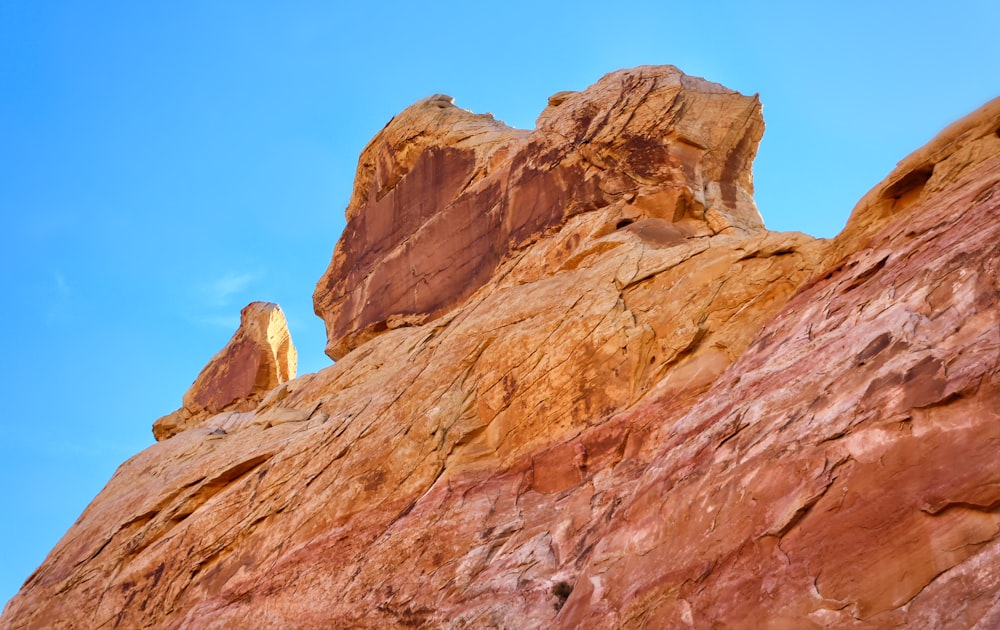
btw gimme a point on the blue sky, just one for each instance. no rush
(162, 164)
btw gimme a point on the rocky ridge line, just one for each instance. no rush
(651, 409)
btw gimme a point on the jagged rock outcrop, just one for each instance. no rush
(443, 195)
(649, 411)
(259, 357)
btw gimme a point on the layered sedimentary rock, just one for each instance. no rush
(611, 399)
(259, 357)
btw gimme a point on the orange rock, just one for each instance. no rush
(443, 196)
(650, 412)
(258, 358)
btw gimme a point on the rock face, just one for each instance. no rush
(580, 385)
(442, 195)
(258, 358)
(844, 472)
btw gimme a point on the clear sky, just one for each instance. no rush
(164, 163)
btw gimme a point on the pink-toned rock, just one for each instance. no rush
(638, 419)
(844, 472)
(259, 357)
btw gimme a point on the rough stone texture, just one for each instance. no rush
(258, 358)
(844, 472)
(636, 420)
(442, 195)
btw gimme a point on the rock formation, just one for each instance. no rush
(578, 384)
(258, 358)
(442, 195)
(844, 472)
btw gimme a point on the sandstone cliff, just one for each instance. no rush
(579, 384)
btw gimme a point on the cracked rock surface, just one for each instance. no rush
(612, 399)
(442, 196)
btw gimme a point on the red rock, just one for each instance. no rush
(649, 413)
(258, 358)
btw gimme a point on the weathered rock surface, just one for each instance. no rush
(258, 358)
(650, 412)
(844, 472)
(442, 195)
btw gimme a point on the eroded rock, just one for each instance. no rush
(259, 357)
(844, 472)
(640, 417)
(442, 196)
